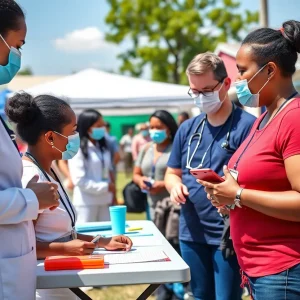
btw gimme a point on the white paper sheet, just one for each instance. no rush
(135, 257)
(102, 251)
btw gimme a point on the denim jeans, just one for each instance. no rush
(281, 286)
(213, 276)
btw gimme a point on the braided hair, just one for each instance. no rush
(10, 16)
(280, 46)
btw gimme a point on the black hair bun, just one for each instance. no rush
(291, 32)
(22, 109)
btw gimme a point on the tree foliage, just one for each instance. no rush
(25, 71)
(166, 34)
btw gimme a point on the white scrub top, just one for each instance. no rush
(51, 224)
(18, 207)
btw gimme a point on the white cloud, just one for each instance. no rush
(88, 39)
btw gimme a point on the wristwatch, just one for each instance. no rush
(237, 200)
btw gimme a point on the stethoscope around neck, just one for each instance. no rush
(224, 145)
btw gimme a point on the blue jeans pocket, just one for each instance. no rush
(281, 286)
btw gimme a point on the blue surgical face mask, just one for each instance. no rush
(71, 148)
(246, 98)
(158, 136)
(145, 132)
(97, 133)
(8, 72)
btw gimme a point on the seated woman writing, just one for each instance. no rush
(48, 125)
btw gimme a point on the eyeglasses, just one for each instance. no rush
(196, 93)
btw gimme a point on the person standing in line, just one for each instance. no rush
(151, 164)
(183, 116)
(126, 142)
(265, 223)
(91, 170)
(114, 147)
(206, 141)
(140, 140)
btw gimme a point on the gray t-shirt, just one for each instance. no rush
(145, 162)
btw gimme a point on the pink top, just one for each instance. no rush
(138, 143)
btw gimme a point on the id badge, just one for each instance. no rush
(234, 174)
(74, 233)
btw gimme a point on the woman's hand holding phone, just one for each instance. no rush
(143, 186)
(224, 193)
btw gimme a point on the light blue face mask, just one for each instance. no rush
(71, 148)
(158, 136)
(145, 132)
(8, 72)
(97, 133)
(246, 98)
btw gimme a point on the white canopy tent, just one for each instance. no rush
(97, 89)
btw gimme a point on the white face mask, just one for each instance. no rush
(209, 104)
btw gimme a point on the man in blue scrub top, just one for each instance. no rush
(206, 141)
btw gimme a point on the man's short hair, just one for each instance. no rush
(185, 115)
(205, 62)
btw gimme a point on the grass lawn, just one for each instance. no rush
(130, 292)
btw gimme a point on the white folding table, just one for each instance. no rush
(153, 273)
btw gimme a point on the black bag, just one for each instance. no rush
(134, 198)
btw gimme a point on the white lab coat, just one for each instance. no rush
(18, 207)
(91, 180)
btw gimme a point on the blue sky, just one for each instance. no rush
(68, 35)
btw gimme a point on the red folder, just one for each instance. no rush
(56, 263)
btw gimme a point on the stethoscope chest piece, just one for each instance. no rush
(225, 144)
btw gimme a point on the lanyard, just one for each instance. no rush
(73, 216)
(248, 144)
(100, 154)
(189, 157)
(153, 166)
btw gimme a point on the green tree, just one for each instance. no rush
(166, 34)
(26, 71)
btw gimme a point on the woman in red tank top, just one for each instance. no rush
(263, 177)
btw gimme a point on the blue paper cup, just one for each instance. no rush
(118, 218)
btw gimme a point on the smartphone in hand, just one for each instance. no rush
(148, 184)
(206, 175)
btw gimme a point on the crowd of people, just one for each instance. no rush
(249, 221)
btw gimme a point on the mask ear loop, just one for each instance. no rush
(53, 147)
(264, 85)
(60, 134)
(257, 73)
(52, 143)
(4, 41)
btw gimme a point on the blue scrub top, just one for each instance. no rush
(199, 220)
